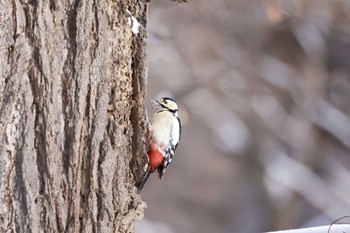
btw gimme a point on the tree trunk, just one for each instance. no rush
(72, 118)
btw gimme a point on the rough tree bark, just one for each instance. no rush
(72, 118)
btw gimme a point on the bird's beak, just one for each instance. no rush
(154, 102)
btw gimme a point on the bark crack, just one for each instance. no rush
(14, 19)
(68, 101)
(96, 29)
(88, 161)
(100, 193)
(72, 35)
(52, 5)
(39, 127)
(21, 190)
(139, 124)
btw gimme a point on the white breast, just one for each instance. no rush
(165, 127)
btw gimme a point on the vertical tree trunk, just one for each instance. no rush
(72, 119)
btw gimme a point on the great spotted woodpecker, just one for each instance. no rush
(164, 136)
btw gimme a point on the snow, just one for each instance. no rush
(336, 228)
(135, 25)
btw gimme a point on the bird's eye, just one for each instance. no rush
(165, 101)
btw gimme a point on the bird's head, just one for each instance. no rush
(166, 103)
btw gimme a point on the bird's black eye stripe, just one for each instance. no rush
(164, 106)
(170, 110)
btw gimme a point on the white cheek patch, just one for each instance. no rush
(172, 106)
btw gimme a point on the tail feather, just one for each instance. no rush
(141, 183)
(161, 170)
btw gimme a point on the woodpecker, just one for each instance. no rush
(163, 137)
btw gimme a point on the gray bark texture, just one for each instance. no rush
(72, 118)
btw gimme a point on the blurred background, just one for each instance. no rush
(264, 92)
